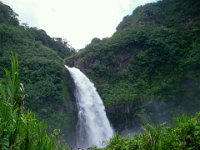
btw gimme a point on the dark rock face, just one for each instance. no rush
(123, 116)
(73, 106)
(70, 61)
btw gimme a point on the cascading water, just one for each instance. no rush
(93, 125)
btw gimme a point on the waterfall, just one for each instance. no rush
(93, 125)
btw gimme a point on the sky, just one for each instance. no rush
(77, 21)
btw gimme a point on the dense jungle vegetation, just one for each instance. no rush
(19, 128)
(41, 68)
(184, 133)
(149, 70)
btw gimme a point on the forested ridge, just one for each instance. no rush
(149, 70)
(41, 68)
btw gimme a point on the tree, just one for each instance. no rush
(7, 15)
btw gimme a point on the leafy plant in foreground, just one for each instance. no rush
(183, 134)
(19, 129)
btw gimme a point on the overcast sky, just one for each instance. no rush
(78, 21)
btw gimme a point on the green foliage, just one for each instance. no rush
(170, 13)
(13, 90)
(183, 134)
(20, 129)
(41, 68)
(59, 45)
(24, 131)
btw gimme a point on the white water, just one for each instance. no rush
(93, 125)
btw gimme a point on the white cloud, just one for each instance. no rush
(79, 21)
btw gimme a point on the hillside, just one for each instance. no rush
(41, 67)
(149, 70)
(19, 128)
